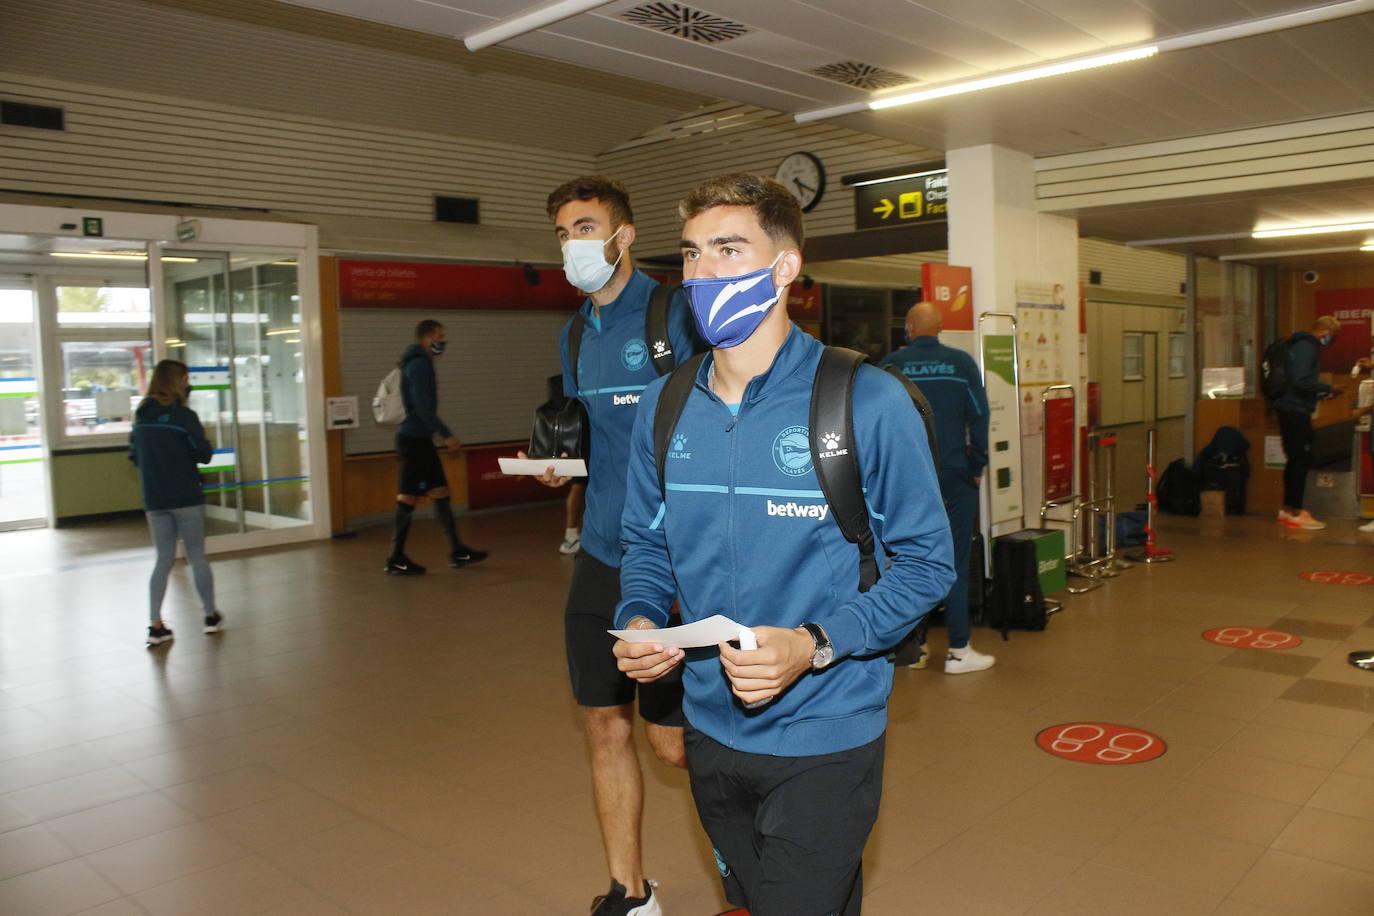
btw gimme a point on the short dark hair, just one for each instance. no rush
(426, 327)
(594, 187)
(777, 209)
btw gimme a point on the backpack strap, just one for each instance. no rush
(656, 327)
(579, 323)
(671, 400)
(837, 468)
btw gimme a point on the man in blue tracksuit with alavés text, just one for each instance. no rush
(951, 381)
(787, 791)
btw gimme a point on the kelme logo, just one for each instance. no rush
(792, 451)
(830, 442)
(662, 349)
(634, 354)
(678, 447)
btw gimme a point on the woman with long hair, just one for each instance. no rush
(166, 444)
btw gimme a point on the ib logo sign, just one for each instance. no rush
(792, 451)
(634, 354)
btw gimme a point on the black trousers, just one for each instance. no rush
(1295, 429)
(788, 832)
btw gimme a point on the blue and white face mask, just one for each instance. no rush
(728, 310)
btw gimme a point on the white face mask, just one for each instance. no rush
(584, 262)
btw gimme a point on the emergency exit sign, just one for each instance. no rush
(902, 200)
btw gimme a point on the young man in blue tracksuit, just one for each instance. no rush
(787, 791)
(950, 380)
(595, 227)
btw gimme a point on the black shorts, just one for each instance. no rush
(596, 681)
(788, 832)
(421, 469)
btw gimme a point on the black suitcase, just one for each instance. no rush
(977, 583)
(1017, 602)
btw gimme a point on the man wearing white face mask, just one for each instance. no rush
(595, 227)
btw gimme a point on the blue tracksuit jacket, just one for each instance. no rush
(747, 533)
(950, 380)
(420, 394)
(1305, 387)
(166, 444)
(613, 368)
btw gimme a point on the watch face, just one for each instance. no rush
(802, 174)
(823, 657)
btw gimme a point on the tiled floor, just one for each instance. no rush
(360, 744)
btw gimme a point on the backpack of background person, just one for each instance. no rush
(1016, 603)
(388, 405)
(1224, 464)
(836, 460)
(1178, 490)
(560, 425)
(1274, 368)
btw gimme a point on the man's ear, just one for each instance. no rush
(626, 238)
(788, 268)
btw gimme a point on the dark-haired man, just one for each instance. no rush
(787, 791)
(595, 227)
(422, 474)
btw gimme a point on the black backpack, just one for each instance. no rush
(1223, 464)
(1179, 492)
(1274, 368)
(560, 424)
(1017, 603)
(837, 468)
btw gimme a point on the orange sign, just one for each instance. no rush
(1251, 638)
(1329, 577)
(950, 288)
(1100, 742)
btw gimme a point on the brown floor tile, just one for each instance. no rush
(1181, 858)
(1331, 693)
(1234, 814)
(1095, 889)
(1298, 884)
(1262, 776)
(1317, 629)
(1335, 838)
(1290, 746)
(248, 885)
(68, 887)
(1323, 719)
(118, 822)
(31, 848)
(140, 864)
(1360, 760)
(1271, 662)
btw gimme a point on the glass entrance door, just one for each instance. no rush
(235, 320)
(23, 463)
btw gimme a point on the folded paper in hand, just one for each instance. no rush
(535, 467)
(707, 632)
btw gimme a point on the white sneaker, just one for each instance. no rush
(1306, 522)
(966, 660)
(922, 660)
(1287, 519)
(570, 546)
(1367, 527)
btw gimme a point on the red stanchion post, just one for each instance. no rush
(1151, 552)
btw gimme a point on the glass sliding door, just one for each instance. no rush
(235, 320)
(23, 463)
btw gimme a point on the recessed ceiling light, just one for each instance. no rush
(1311, 229)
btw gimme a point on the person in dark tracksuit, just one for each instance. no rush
(950, 380)
(1294, 409)
(166, 444)
(422, 474)
(788, 791)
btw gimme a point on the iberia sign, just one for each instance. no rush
(902, 201)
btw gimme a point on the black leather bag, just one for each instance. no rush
(560, 428)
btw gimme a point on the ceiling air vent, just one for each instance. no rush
(685, 22)
(862, 76)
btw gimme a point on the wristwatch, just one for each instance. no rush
(825, 652)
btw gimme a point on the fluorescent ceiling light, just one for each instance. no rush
(1016, 76)
(1369, 247)
(860, 184)
(1249, 28)
(1361, 226)
(284, 331)
(529, 21)
(98, 256)
(1267, 255)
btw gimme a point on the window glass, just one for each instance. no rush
(103, 306)
(1177, 349)
(102, 383)
(1132, 356)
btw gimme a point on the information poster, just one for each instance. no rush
(1041, 331)
(1004, 435)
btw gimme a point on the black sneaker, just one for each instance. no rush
(466, 556)
(214, 622)
(617, 904)
(403, 566)
(159, 635)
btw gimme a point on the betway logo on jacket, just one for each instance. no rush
(620, 400)
(798, 510)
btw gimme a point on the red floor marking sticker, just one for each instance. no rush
(1100, 742)
(1251, 638)
(1332, 577)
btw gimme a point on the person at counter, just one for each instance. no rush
(1294, 409)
